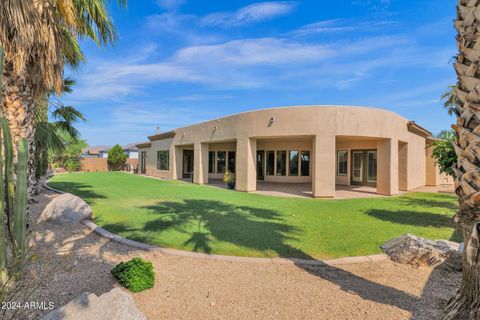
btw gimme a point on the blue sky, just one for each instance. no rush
(178, 62)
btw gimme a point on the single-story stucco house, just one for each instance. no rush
(325, 146)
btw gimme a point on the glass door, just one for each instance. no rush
(260, 164)
(357, 166)
(364, 167)
(372, 166)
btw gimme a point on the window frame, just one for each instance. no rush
(342, 174)
(285, 168)
(167, 162)
(224, 162)
(214, 158)
(302, 161)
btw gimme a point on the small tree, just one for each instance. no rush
(116, 158)
(444, 152)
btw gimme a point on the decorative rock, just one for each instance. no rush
(66, 208)
(410, 249)
(116, 304)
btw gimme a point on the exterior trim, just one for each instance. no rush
(163, 135)
(143, 145)
(415, 128)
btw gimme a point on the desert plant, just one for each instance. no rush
(229, 179)
(443, 152)
(116, 158)
(136, 275)
(13, 204)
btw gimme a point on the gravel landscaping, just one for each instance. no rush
(70, 260)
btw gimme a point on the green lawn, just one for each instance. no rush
(181, 215)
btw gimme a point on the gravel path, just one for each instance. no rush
(78, 260)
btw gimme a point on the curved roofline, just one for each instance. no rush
(299, 106)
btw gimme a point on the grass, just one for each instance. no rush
(185, 216)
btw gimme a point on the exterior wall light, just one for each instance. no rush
(271, 121)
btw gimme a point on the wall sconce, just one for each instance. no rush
(270, 122)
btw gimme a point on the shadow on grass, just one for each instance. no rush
(82, 190)
(420, 219)
(433, 200)
(207, 220)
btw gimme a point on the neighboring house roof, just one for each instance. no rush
(162, 135)
(93, 150)
(127, 147)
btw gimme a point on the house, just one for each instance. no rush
(102, 151)
(93, 152)
(322, 146)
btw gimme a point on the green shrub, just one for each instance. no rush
(136, 275)
(116, 158)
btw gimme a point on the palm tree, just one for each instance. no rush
(450, 100)
(52, 136)
(466, 303)
(38, 38)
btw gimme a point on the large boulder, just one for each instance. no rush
(410, 249)
(115, 304)
(66, 208)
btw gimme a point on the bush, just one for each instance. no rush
(136, 275)
(116, 158)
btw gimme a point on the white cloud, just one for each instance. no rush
(250, 14)
(340, 25)
(263, 51)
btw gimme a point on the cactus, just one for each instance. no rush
(13, 202)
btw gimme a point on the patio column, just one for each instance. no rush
(177, 162)
(200, 163)
(245, 167)
(323, 175)
(387, 167)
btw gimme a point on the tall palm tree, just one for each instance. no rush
(450, 100)
(466, 303)
(51, 135)
(39, 37)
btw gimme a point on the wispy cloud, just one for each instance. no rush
(250, 14)
(341, 25)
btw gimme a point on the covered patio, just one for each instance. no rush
(304, 190)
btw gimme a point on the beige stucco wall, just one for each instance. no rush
(318, 128)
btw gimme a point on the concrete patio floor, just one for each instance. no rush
(304, 190)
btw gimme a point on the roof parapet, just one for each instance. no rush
(161, 136)
(415, 128)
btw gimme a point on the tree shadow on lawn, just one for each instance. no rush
(82, 190)
(419, 219)
(434, 200)
(263, 230)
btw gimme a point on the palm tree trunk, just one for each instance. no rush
(466, 303)
(18, 109)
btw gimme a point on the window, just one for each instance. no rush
(372, 166)
(211, 162)
(221, 161)
(281, 163)
(163, 160)
(270, 163)
(305, 163)
(342, 163)
(231, 161)
(293, 163)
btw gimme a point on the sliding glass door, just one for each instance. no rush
(364, 167)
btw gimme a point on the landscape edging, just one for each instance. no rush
(291, 261)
